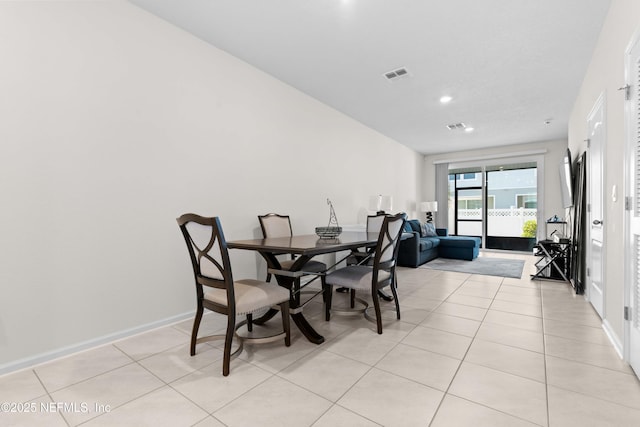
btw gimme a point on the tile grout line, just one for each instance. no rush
(463, 360)
(446, 392)
(544, 349)
(49, 395)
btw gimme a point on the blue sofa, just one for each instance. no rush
(416, 250)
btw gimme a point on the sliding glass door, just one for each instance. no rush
(465, 189)
(469, 211)
(511, 222)
(498, 203)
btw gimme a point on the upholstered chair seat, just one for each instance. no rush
(250, 295)
(356, 277)
(311, 266)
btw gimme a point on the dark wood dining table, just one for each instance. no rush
(304, 247)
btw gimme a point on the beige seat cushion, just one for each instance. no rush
(355, 277)
(251, 295)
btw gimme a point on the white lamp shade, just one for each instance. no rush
(380, 203)
(374, 203)
(429, 207)
(386, 203)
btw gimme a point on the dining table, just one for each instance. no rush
(304, 247)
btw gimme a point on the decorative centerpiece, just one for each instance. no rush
(332, 230)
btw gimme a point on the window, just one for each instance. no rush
(527, 201)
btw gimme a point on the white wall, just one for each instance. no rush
(112, 124)
(605, 75)
(554, 152)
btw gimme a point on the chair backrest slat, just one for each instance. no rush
(388, 241)
(208, 251)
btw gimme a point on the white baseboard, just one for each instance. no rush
(615, 340)
(38, 359)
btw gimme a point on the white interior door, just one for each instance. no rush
(595, 276)
(633, 178)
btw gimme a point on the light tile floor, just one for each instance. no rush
(469, 351)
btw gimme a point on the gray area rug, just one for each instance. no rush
(488, 266)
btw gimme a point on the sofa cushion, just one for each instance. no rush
(428, 230)
(459, 247)
(427, 243)
(414, 224)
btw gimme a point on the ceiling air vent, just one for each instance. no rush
(456, 126)
(396, 74)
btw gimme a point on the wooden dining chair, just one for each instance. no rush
(359, 256)
(276, 225)
(371, 278)
(216, 290)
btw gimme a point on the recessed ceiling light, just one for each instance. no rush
(468, 129)
(445, 99)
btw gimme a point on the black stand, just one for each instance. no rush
(554, 261)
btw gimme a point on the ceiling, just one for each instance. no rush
(513, 68)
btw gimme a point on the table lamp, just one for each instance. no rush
(381, 204)
(429, 208)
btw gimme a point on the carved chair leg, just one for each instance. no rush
(284, 312)
(376, 305)
(228, 340)
(394, 285)
(196, 326)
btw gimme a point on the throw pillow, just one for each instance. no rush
(414, 224)
(428, 230)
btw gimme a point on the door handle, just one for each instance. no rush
(597, 222)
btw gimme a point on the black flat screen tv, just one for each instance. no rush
(566, 180)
